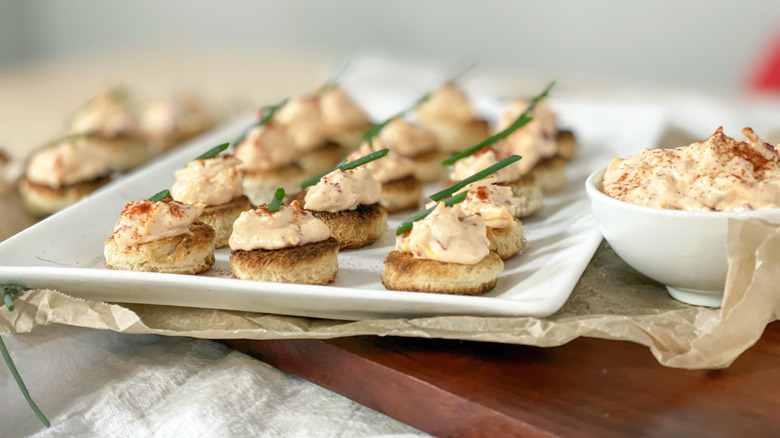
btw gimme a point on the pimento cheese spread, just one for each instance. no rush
(391, 167)
(719, 174)
(68, 163)
(447, 235)
(408, 139)
(535, 140)
(106, 115)
(266, 147)
(303, 119)
(448, 102)
(146, 221)
(213, 181)
(493, 203)
(343, 190)
(340, 113)
(482, 159)
(288, 227)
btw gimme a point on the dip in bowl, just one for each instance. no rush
(680, 243)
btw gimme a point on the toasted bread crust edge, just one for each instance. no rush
(313, 263)
(406, 273)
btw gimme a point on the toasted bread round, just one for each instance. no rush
(506, 242)
(221, 218)
(355, 228)
(526, 195)
(313, 263)
(322, 159)
(40, 200)
(190, 253)
(567, 144)
(550, 174)
(428, 167)
(401, 194)
(404, 272)
(260, 185)
(457, 136)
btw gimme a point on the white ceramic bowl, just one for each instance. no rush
(684, 250)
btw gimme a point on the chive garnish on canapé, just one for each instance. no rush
(519, 122)
(374, 130)
(9, 291)
(449, 202)
(160, 196)
(213, 152)
(438, 196)
(346, 165)
(268, 113)
(276, 202)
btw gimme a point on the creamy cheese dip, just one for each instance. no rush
(340, 113)
(213, 181)
(107, 115)
(493, 203)
(482, 159)
(447, 235)
(719, 174)
(303, 119)
(68, 163)
(391, 167)
(288, 227)
(171, 118)
(344, 190)
(266, 147)
(448, 102)
(535, 140)
(146, 221)
(408, 139)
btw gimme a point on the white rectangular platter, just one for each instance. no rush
(65, 251)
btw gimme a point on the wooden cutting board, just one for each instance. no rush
(589, 387)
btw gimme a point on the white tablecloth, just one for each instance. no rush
(94, 383)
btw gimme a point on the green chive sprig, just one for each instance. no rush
(20, 383)
(276, 202)
(10, 291)
(159, 196)
(76, 136)
(345, 165)
(268, 112)
(374, 130)
(521, 121)
(333, 81)
(438, 196)
(213, 152)
(409, 223)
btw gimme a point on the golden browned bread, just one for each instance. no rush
(457, 136)
(190, 253)
(260, 185)
(221, 218)
(550, 173)
(322, 159)
(428, 167)
(401, 194)
(404, 272)
(526, 195)
(567, 144)
(506, 242)
(313, 263)
(40, 200)
(355, 228)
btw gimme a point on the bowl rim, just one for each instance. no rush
(595, 194)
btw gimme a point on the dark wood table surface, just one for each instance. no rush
(589, 387)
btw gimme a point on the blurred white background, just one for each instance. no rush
(712, 45)
(54, 55)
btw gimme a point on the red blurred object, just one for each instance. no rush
(766, 77)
